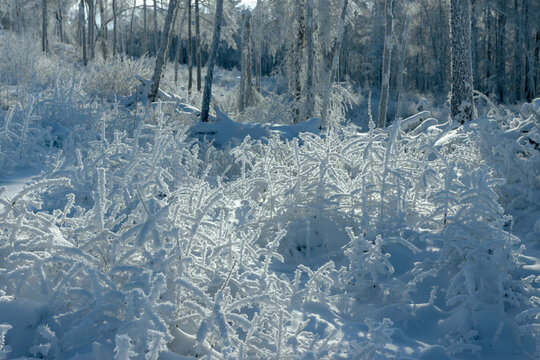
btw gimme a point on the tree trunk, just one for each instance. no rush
(310, 98)
(474, 54)
(243, 65)
(517, 52)
(60, 21)
(461, 93)
(333, 68)
(103, 30)
(91, 24)
(190, 50)
(500, 51)
(258, 47)
(115, 25)
(489, 49)
(131, 39)
(198, 44)
(44, 40)
(529, 63)
(171, 36)
(179, 42)
(537, 65)
(298, 59)
(205, 108)
(402, 67)
(387, 56)
(145, 29)
(156, 30)
(162, 51)
(247, 95)
(82, 26)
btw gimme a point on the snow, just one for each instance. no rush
(155, 235)
(12, 183)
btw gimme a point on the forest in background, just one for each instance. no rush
(272, 38)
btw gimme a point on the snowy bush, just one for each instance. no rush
(141, 239)
(113, 77)
(4, 350)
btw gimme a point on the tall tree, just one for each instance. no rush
(500, 53)
(44, 40)
(474, 40)
(518, 51)
(60, 20)
(258, 46)
(403, 55)
(162, 51)
(243, 63)
(387, 56)
(207, 94)
(529, 55)
(82, 30)
(461, 93)
(190, 49)
(115, 25)
(198, 43)
(298, 59)
(103, 29)
(131, 37)
(335, 60)
(179, 42)
(156, 30)
(91, 25)
(310, 97)
(145, 29)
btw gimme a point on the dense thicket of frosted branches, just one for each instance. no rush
(284, 223)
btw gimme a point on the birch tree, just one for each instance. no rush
(162, 51)
(207, 94)
(461, 93)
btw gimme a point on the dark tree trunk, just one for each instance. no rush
(198, 44)
(205, 108)
(190, 50)
(162, 51)
(44, 40)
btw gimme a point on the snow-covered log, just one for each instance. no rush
(412, 122)
(223, 130)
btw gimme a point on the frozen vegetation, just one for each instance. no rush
(132, 230)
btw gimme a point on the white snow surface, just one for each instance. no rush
(155, 236)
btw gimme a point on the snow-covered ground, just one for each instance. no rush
(136, 232)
